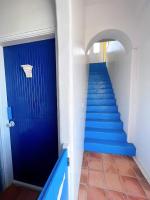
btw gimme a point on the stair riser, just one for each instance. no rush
(106, 136)
(102, 109)
(98, 78)
(100, 93)
(102, 148)
(99, 83)
(101, 102)
(111, 116)
(97, 87)
(101, 96)
(104, 125)
(100, 90)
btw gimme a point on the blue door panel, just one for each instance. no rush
(33, 103)
(56, 187)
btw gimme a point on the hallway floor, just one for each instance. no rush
(18, 193)
(110, 177)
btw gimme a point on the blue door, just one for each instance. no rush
(33, 107)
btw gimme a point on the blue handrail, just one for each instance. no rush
(56, 187)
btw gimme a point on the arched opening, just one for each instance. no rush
(111, 34)
(118, 49)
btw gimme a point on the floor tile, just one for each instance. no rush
(112, 177)
(97, 179)
(94, 155)
(85, 155)
(113, 182)
(132, 187)
(125, 168)
(84, 176)
(136, 198)
(95, 164)
(110, 166)
(146, 186)
(107, 156)
(113, 195)
(138, 172)
(85, 163)
(82, 193)
(96, 194)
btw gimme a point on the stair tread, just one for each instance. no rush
(113, 112)
(102, 112)
(118, 131)
(104, 120)
(109, 142)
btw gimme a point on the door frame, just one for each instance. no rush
(6, 165)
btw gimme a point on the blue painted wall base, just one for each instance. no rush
(104, 129)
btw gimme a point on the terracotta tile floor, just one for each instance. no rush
(110, 177)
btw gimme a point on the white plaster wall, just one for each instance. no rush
(119, 65)
(94, 58)
(105, 14)
(72, 84)
(22, 16)
(79, 91)
(141, 135)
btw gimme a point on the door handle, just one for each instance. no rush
(11, 124)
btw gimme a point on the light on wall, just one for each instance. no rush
(96, 47)
(27, 70)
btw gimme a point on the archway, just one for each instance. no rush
(111, 34)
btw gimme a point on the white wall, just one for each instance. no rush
(72, 84)
(79, 90)
(93, 57)
(105, 14)
(119, 64)
(22, 16)
(141, 135)
(96, 55)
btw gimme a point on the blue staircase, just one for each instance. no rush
(104, 130)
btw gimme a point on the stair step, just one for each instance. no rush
(105, 134)
(98, 80)
(112, 147)
(104, 124)
(102, 96)
(102, 102)
(99, 83)
(93, 115)
(99, 73)
(93, 87)
(101, 90)
(102, 108)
